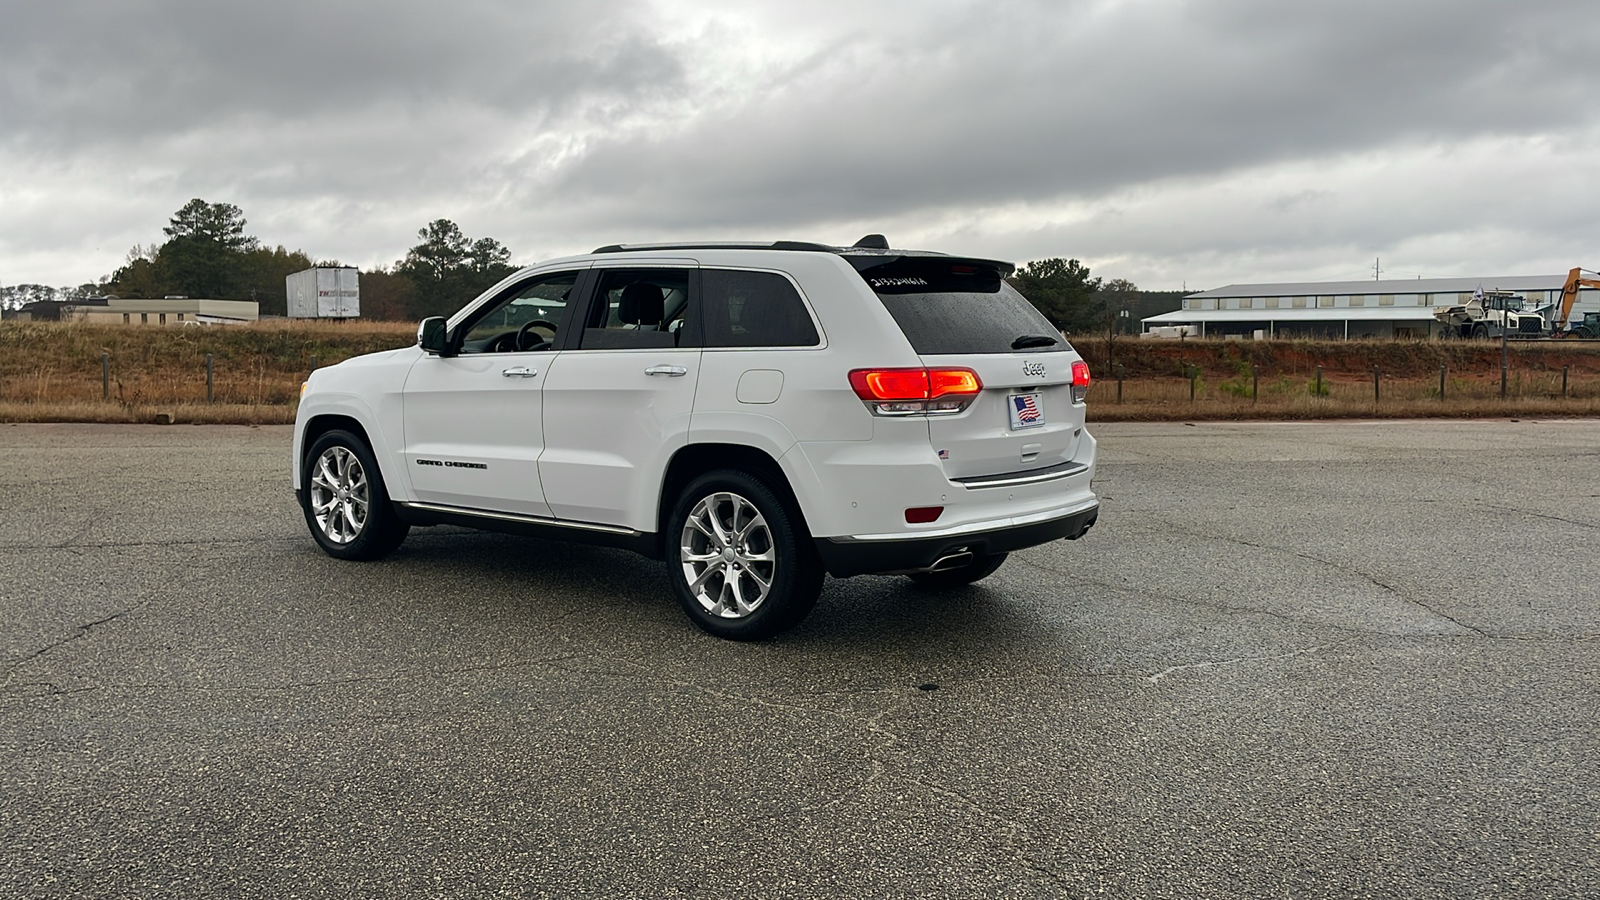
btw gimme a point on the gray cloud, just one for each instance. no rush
(979, 108)
(91, 70)
(1268, 132)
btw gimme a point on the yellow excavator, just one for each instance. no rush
(1590, 326)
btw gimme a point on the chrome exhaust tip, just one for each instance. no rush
(951, 561)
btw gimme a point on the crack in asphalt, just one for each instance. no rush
(412, 674)
(889, 739)
(81, 632)
(1208, 604)
(1213, 663)
(1339, 567)
(48, 689)
(407, 674)
(1534, 515)
(1014, 833)
(104, 545)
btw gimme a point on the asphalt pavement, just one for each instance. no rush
(1292, 660)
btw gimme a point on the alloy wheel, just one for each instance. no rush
(727, 555)
(339, 497)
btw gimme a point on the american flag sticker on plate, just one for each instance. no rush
(1025, 411)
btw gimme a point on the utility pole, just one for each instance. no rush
(1376, 269)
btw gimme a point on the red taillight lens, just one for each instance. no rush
(952, 381)
(921, 515)
(905, 392)
(1080, 374)
(890, 384)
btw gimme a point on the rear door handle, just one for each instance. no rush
(520, 372)
(674, 371)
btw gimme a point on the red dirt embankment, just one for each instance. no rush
(1149, 358)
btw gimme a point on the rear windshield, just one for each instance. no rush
(954, 306)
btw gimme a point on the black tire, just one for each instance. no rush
(716, 567)
(333, 524)
(980, 568)
(1480, 332)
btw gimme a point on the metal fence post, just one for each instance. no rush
(1255, 383)
(1563, 382)
(1442, 370)
(313, 362)
(1504, 364)
(1375, 390)
(1318, 391)
(208, 378)
(105, 376)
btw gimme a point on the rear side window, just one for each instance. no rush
(753, 309)
(953, 306)
(638, 309)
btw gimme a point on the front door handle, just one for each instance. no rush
(674, 371)
(520, 372)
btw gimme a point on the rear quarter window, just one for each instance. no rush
(753, 309)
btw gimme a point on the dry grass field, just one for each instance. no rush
(51, 372)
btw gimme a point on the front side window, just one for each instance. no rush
(527, 318)
(753, 309)
(639, 309)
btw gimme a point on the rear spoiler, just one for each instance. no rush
(915, 258)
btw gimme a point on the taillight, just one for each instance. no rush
(914, 392)
(1080, 381)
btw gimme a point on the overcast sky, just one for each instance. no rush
(1170, 143)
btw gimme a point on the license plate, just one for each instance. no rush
(1027, 410)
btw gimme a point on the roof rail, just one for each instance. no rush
(871, 250)
(719, 245)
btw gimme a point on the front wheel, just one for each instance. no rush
(743, 566)
(346, 504)
(981, 567)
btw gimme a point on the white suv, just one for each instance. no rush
(754, 414)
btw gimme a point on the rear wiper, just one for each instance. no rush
(1033, 340)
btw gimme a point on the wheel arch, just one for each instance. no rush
(693, 460)
(319, 425)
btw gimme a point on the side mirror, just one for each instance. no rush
(433, 338)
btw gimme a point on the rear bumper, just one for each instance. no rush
(845, 556)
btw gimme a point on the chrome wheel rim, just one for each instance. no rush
(339, 495)
(727, 555)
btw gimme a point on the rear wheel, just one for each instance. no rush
(743, 566)
(1480, 332)
(346, 505)
(981, 567)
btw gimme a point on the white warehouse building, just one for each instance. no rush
(1351, 309)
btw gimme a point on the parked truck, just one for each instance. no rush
(1491, 314)
(1588, 328)
(325, 292)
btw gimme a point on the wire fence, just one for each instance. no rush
(1251, 393)
(139, 380)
